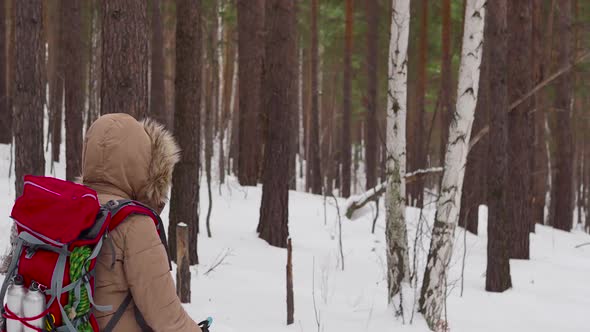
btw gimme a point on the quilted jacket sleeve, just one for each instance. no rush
(150, 281)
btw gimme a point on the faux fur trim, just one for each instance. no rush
(165, 154)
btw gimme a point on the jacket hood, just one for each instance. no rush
(130, 159)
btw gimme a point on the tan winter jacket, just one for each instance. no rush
(126, 159)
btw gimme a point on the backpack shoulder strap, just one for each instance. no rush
(120, 210)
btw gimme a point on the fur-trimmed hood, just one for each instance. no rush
(130, 159)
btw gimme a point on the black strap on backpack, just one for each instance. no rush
(119, 313)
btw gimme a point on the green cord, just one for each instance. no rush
(78, 263)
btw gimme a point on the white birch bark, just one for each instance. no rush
(447, 209)
(395, 201)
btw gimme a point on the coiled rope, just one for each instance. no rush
(79, 263)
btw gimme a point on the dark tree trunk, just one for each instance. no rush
(371, 127)
(29, 91)
(446, 81)
(345, 150)
(279, 100)
(56, 32)
(157, 93)
(74, 81)
(520, 125)
(124, 83)
(169, 20)
(184, 203)
(564, 194)
(313, 160)
(95, 65)
(540, 171)
(210, 103)
(251, 50)
(416, 150)
(5, 111)
(496, 36)
(475, 182)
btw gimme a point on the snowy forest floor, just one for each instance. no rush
(246, 291)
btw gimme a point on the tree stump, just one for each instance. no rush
(183, 273)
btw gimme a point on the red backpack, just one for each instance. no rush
(61, 229)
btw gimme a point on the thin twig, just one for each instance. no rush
(339, 230)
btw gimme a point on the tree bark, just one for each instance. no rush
(475, 184)
(29, 92)
(371, 126)
(313, 160)
(346, 153)
(95, 65)
(251, 49)
(539, 178)
(185, 182)
(520, 125)
(564, 202)
(5, 111)
(56, 32)
(157, 92)
(395, 228)
(124, 83)
(417, 153)
(446, 80)
(169, 19)
(74, 81)
(433, 294)
(279, 100)
(498, 265)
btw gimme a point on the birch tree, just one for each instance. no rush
(447, 212)
(396, 233)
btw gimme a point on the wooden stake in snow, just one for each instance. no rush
(290, 301)
(395, 229)
(447, 212)
(183, 273)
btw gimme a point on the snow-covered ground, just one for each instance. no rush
(246, 292)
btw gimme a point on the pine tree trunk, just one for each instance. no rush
(345, 151)
(446, 80)
(313, 160)
(29, 92)
(520, 125)
(210, 107)
(95, 65)
(434, 290)
(564, 202)
(221, 67)
(56, 31)
(124, 82)
(498, 265)
(184, 203)
(73, 48)
(169, 20)
(157, 92)
(251, 49)
(371, 130)
(417, 152)
(540, 173)
(395, 229)
(279, 100)
(5, 111)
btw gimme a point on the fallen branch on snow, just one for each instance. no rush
(356, 202)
